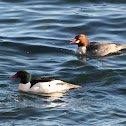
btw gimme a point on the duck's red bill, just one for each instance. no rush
(73, 41)
(13, 76)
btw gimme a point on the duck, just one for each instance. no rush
(95, 48)
(41, 85)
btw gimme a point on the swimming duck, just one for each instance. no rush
(41, 85)
(95, 48)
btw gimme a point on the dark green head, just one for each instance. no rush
(24, 75)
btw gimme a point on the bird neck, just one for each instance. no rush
(26, 79)
(84, 42)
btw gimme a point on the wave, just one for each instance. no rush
(65, 1)
(95, 1)
(23, 48)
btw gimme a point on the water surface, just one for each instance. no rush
(34, 36)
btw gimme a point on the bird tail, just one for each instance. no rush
(120, 46)
(123, 46)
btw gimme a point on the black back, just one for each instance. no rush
(33, 82)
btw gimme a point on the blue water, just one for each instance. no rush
(34, 36)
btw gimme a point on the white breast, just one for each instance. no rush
(81, 50)
(24, 87)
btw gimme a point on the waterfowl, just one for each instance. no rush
(95, 48)
(41, 85)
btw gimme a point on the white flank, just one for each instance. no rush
(47, 87)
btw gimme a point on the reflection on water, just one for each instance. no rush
(102, 60)
(41, 100)
(82, 57)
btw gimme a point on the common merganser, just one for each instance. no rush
(41, 85)
(95, 48)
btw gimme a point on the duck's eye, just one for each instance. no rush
(49, 85)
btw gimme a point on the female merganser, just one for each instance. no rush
(41, 85)
(95, 48)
